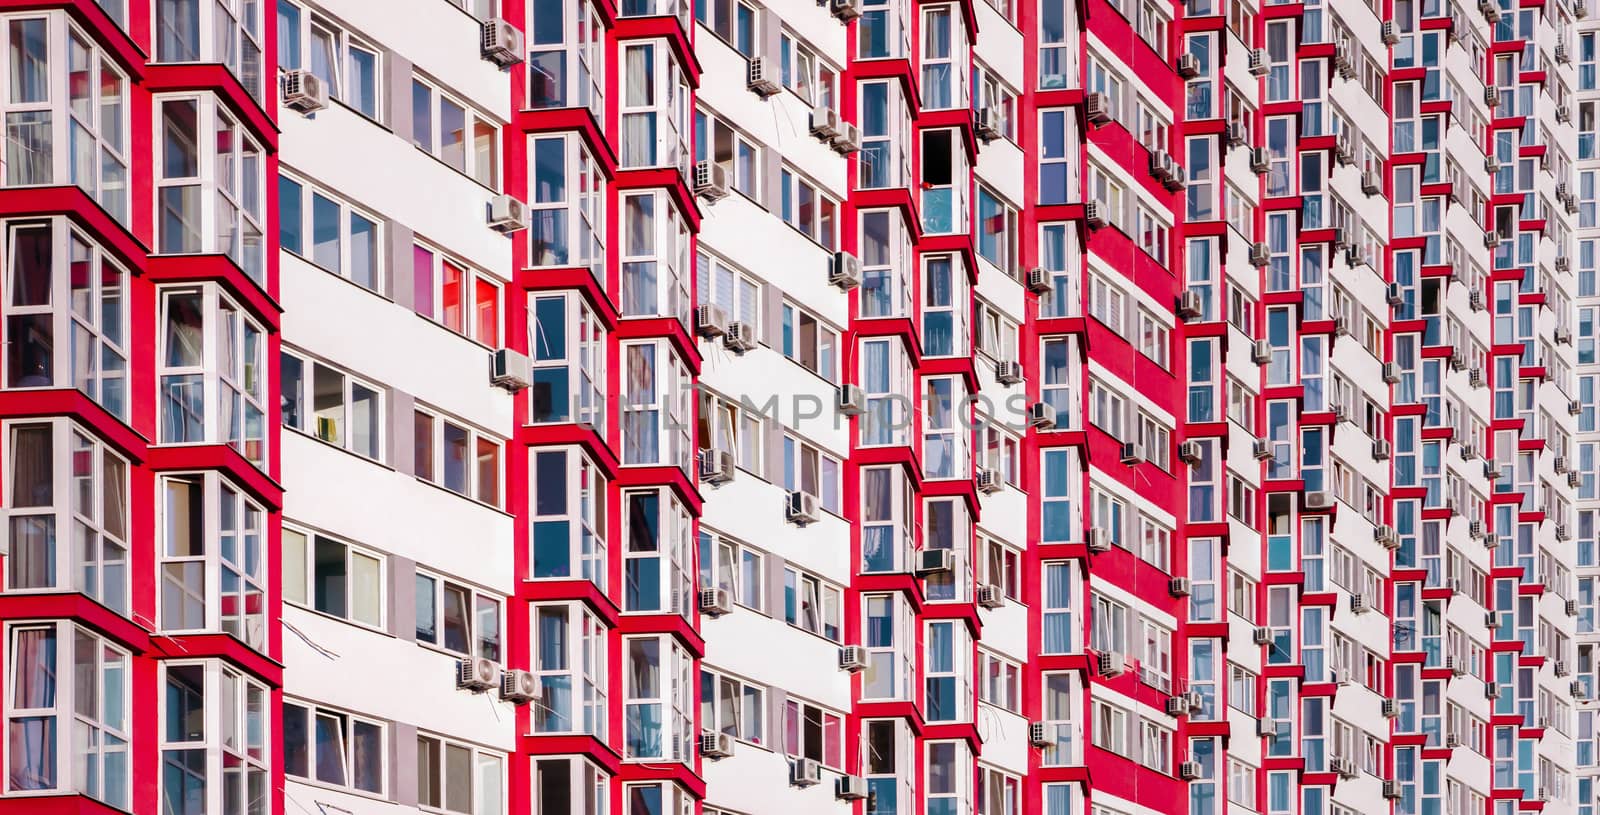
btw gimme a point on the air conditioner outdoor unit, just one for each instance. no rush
(1042, 416)
(710, 320)
(844, 271)
(989, 481)
(1039, 281)
(715, 744)
(805, 772)
(801, 508)
(717, 467)
(507, 214)
(740, 337)
(850, 400)
(1008, 372)
(303, 92)
(1132, 453)
(1180, 586)
(1097, 108)
(1039, 735)
(715, 602)
(1099, 540)
(824, 122)
(930, 562)
(852, 658)
(500, 42)
(759, 78)
(991, 597)
(510, 370)
(477, 674)
(519, 687)
(710, 181)
(850, 788)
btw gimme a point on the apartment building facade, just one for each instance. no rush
(569, 406)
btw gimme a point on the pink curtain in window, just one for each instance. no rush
(31, 740)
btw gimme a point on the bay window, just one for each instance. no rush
(323, 229)
(64, 285)
(66, 115)
(889, 635)
(568, 494)
(658, 565)
(210, 189)
(573, 785)
(335, 578)
(566, 55)
(212, 372)
(66, 713)
(885, 157)
(655, 258)
(457, 618)
(944, 49)
(461, 778)
(655, 106)
(213, 31)
(659, 797)
(1062, 484)
(1061, 379)
(567, 197)
(455, 296)
(44, 499)
(1063, 721)
(456, 133)
(656, 407)
(333, 747)
(948, 526)
(944, 306)
(884, 31)
(215, 726)
(945, 182)
(886, 258)
(889, 762)
(887, 380)
(949, 778)
(213, 575)
(569, 658)
(462, 459)
(887, 525)
(1058, 44)
(946, 428)
(1059, 253)
(347, 66)
(1058, 157)
(567, 341)
(658, 699)
(333, 406)
(947, 692)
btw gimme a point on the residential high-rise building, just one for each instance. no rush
(736, 407)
